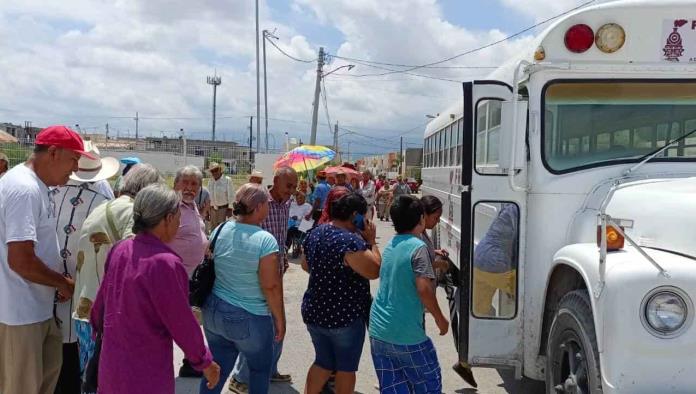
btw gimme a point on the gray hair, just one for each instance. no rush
(140, 176)
(284, 171)
(152, 205)
(189, 170)
(249, 196)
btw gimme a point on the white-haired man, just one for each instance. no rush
(190, 242)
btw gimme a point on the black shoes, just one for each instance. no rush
(464, 371)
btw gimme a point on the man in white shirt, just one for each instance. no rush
(30, 340)
(368, 191)
(299, 210)
(221, 196)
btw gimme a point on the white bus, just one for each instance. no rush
(568, 179)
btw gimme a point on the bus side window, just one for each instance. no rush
(488, 123)
(460, 133)
(426, 153)
(494, 275)
(441, 150)
(445, 146)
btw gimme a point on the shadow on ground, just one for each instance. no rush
(524, 386)
(191, 386)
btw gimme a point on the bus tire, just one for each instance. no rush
(572, 359)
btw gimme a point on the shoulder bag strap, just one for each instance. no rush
(217, 234)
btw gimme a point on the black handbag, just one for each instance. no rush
(203, 278)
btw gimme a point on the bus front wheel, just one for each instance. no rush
(572, 359)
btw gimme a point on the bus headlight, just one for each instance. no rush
(666, 312)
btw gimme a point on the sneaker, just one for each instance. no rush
(465, 372)
(238, 387)
(280, 378)
(187, 371)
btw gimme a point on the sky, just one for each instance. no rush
(93, 62)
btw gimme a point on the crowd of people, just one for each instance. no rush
(92, 277)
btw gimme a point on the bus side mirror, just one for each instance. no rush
(508, 130)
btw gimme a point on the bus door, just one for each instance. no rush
(491, 260)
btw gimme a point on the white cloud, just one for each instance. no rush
(544, 9)
(76, 61)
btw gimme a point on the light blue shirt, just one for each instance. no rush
(396, 316)
(238, 250)
(497, 250)
(321, 191)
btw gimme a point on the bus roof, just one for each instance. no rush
(647, 25)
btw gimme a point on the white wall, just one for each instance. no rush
(264, 163)
(167, 163)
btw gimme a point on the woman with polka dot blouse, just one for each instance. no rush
(341, 257)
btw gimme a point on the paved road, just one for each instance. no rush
(298, 353)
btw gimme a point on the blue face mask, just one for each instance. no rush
(359, 221)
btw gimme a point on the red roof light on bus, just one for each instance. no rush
(579, 38)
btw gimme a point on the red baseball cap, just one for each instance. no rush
(62, 137)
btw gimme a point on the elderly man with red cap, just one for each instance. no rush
(30, 273)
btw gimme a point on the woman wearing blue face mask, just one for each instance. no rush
(341, 257)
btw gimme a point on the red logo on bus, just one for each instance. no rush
(674, 49)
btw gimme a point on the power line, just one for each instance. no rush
(444, 98)
(371, 137)
(407, 72)
(289, 55)
(326, 104)
(370, 63)
(468, 52)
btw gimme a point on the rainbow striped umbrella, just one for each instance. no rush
(305, 158)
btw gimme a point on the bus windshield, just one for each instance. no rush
(589, 124)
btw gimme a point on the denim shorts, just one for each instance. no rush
(338, 349)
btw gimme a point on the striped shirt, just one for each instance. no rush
(277, 224)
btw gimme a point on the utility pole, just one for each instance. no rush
(215, 80)
(401, 156)
(183, 137)
(317, 91)
(107, 135)
(266, 34)
(258, 84)
(137, 119)
(251, 138)
(335, 144)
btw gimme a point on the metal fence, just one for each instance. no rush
(167, 155)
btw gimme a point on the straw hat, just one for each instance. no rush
(256, 174)
(4, 157)
(97, 169)
(214, 166)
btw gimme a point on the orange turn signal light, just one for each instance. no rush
(615, 241)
